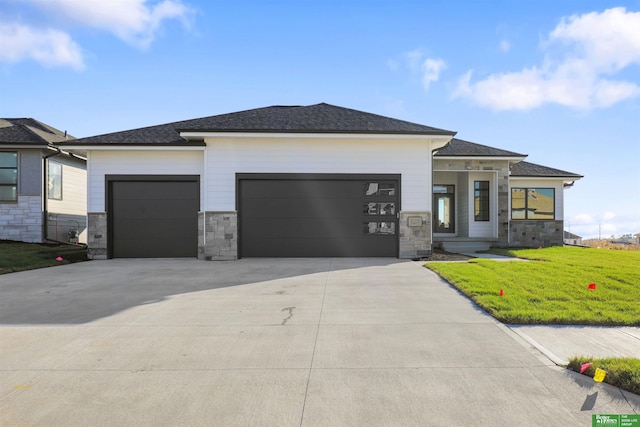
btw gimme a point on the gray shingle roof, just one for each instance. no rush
(532, 170)
(460, 148)
(27, 131)
(319, 118)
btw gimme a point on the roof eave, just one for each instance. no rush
(200, 135)
(480, 157)
(196, 146)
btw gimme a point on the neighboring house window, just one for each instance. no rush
(8, 176)
(55, 181)
(481, 200)
(533, 203)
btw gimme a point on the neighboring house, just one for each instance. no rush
(43, 190)
(572, 239)
(310, 181)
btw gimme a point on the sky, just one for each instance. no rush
(557, 80)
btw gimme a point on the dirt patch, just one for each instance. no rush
(440, 255)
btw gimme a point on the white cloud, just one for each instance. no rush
(49, 47)
(431, 69)
(602, 225)
(134, 21)
(582, 53)
(505, 46)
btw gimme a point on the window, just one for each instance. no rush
(55, 181)
(379, 189)
(374, 208)
(533, 203)
(481, 200)
(384, 228)
(8, 176)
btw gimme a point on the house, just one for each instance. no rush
(43, 192)
(572, 239)
(310, 181)
(527, 212)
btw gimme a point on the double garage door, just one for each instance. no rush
(304, 215)
(280, 215)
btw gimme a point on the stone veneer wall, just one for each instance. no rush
(22, 221)
(536, 233)
(218, 236)
(415, 234)
(97, 235)
(502, 166)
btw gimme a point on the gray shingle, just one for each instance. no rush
(319, 118)
(460, 148)
(533, 170)
(27, 131)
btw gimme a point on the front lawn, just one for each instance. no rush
(553, 287)
(20, 256)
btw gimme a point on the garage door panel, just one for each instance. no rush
(154, 209)
(300, 208)
(303, 189)
(152, 229)
(154, 218)
(150, 248)
(303, 228)
(319, 247)
(152, 190)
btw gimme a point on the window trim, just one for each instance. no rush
(16, 168)
(526, 204)
(481, 201)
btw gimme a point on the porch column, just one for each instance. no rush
(218, 236)
(415, 234)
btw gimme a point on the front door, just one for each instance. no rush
(444, 209)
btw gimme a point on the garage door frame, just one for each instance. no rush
(319, 176)
(110, 179)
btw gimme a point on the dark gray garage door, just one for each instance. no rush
(318, 215)
(153, 219)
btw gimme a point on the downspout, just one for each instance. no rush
(45, 191)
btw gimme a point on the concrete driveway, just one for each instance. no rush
(270, 342)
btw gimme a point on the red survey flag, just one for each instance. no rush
(585, 366)
(592, 286)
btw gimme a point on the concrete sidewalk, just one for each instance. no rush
(264, 342)
(560, 343)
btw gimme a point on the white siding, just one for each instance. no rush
(410, 158)
(557, 184)
(133, 162)
(74, 188)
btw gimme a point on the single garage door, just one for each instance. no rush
(154, 218)
(303, 215)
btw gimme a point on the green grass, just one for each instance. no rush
(553, 287)
(19, 256)
(621, 372)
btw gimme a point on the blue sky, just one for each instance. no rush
(557, 80)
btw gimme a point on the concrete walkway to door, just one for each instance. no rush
(271, 342)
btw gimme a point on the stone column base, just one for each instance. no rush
(218, 236)
(415, 234)
(97, 235)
